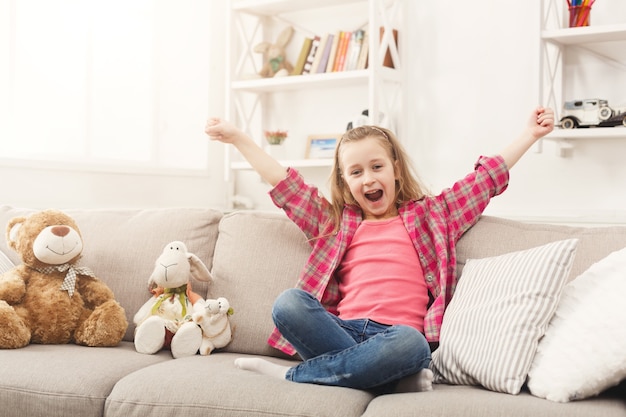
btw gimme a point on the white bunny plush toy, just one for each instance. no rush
(165, 320)
(216, 330)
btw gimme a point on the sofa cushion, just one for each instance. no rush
(250, 269)
(584, 349)
(121, 246)
(65, 380)
(463, 401)
(213, 386)
(500, 310)
(492, 236)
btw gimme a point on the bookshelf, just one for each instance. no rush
(326, 100)
(600, 43)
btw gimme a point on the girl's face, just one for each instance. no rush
(369, 172)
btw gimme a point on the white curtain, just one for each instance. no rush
(113, 82)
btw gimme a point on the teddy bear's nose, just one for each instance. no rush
(60, 230)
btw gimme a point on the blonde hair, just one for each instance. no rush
(408, 186)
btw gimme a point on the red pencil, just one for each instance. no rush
(583, 18)
(583, 21)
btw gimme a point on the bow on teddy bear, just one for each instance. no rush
(48, 299)
(165, 320)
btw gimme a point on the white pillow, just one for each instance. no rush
(500, 310)
(584, 349)
(5, 263)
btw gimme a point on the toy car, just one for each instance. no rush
(591, 112)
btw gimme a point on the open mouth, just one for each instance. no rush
(374, 195)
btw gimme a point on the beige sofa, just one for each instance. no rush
(253, 257)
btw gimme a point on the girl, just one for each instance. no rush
(383, 263)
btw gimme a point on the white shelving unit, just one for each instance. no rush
(250, 100)
(604, 42)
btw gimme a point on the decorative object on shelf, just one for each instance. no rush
(322, 146)
(591, 113)
(274, 56)
(579, 11)
(275, 137)
(363, 119)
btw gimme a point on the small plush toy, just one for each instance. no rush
(216, 330)
(165, 320)
(49, 299)
(274, 56)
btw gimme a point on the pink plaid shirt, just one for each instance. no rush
(434, 225)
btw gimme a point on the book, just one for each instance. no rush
(356, 43)
(304, 51)
(388, 61)
(333, 52)
(319, 53)
(326, 53)
(362, 61)
(342, 50)
(308, 63)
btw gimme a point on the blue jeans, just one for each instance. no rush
(361, 354)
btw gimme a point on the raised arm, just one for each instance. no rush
(267, 167)
(540, 123)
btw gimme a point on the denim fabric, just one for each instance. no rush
(360, 354)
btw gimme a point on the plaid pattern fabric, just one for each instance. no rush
(69, 283)
(434, 225)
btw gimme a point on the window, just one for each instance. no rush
(113, 83)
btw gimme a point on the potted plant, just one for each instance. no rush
(275, 137)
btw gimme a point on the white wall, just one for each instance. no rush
(478, 79)
(63, 188)
(473, 81)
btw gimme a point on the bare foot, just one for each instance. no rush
(262, 366)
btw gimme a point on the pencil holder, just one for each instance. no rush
(579, 16)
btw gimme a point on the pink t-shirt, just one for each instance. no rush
(380, 277)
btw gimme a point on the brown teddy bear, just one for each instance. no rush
(49, 299)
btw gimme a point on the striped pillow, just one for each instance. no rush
(5, 263)
(500, 310)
